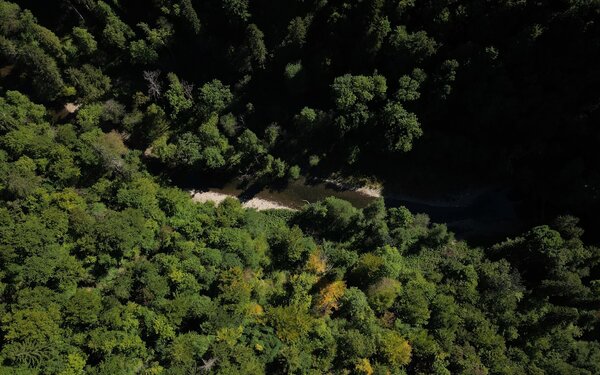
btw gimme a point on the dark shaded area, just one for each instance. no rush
(518, 109)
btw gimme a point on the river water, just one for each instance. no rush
(483, 215)
(294, 194)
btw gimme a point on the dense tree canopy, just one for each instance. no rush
(107, 268)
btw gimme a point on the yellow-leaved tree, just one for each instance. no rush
(394, 348)
(317, 262)
(329, 297)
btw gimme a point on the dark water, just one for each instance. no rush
(295, 194)
(487, 215)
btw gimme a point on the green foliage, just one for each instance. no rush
(142, 53)
(214, 97)
(22, 180)
(294, 172)
(155, 123)
(356, 91)
(341, 217)
(291, 323)
(89, 116)
(18, 110)
(47, 80)
(116, 32)
(188, 348)
(237, 9)
(128, 270)
(191, 17)
(402, 127)
(417, 46)
(84, 40)
(107, 269)
(84, 307)
(255, 50)
(292, 69)
(145, 51)
(176, 96)
(296, 31)
(383, 293)
(89, 82)
(394, 348)
(409, 86)
(187, 150)
(215, 146)
(356, 97)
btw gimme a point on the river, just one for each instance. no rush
(481, 215)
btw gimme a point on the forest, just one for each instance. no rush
(107, 266)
